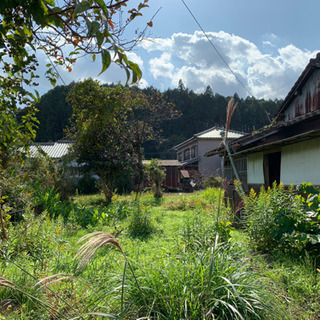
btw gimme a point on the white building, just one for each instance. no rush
(287, 151)
(191, 152)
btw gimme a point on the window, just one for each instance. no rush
(180, 156)
(241, 167)
(193, 151)
(186, 154)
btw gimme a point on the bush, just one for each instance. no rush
(156, 174)
(277, 220)
(44, 172)
(213, 182)
(87, 184)
(49, 201)
(140, 221)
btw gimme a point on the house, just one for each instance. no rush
(288, 150)
(190, 153)
(59, 149)
(173, 176)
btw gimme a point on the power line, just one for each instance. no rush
(54, 67)
(217, 51)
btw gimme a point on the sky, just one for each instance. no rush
(249, 47)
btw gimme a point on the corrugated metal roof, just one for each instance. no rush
(54, 150)
(166, 163)
(215, 133)
(212, 133)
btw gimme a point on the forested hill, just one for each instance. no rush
(198, 113)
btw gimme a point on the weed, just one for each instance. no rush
(204, 285)
(140, 221)
(276, 220)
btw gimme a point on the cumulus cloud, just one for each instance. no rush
(86, 68)
(192, 58)
(198, 63)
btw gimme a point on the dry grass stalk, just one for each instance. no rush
(230, 109)
(6, 283)
(47, 281)
(96, 241)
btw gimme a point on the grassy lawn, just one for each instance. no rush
(176, 258)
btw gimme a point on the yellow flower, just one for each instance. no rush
(58, 230)
(252, 193)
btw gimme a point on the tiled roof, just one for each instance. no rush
(55, 150)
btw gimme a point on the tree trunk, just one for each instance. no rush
(4, 235)
(139, 173)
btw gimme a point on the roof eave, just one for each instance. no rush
(312, 65)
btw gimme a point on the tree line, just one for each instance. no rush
(198, 112)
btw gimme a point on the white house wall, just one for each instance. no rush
(209, 166)
(300, 163)
(255, 168)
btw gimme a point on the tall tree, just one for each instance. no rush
(102, 139)
(110, 126)
(148, 110)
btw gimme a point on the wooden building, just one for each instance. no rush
(288, 150)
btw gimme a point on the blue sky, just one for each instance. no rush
(266, 43)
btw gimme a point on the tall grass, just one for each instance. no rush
(204, 285)
(191, 268)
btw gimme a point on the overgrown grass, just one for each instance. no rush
(180, 258)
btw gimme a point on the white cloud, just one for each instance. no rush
(85, 68)
(193, 59)
(162, 67)
(268, 43)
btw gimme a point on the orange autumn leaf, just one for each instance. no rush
(110, 24)
(150, 24)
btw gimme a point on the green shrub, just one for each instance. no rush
(87, 184)
(48, 200)
(140, 221)
(156, 174)
(277, 220)
(44, 172)
(212, 182)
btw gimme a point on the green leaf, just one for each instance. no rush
(82, 6)
(106, 60)
(136, 71)
(94, 27)
(49, 2)
(103, 6)
(27, 31)
(100, 38)
(128, 74)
